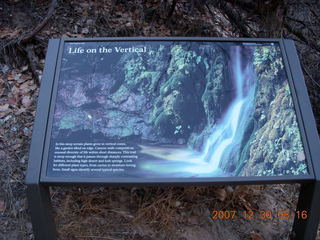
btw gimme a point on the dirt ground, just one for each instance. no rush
(182, 213)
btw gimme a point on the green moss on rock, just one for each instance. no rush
(276, 144)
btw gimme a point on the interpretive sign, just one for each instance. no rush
(173, 110)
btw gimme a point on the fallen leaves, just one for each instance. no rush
(7, 33)
(13, 100)
(72, 35)
(27, 87)
(4, 107)
(26, 101)
(2, 206)
(221, 194)
(20, 110)
(240, 197)
(256, 236)
(17, 91)
(4, 110)
(17, 98)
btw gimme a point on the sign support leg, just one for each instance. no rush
(309, 200)
(41, 212)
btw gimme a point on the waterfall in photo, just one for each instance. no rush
(225, 136)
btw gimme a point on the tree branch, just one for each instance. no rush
(44, 22)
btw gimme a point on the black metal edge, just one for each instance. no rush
(216, 39)
(40, 123)
(148, 181)
(308, 119)
(117, 182)
(296, 105)
(49, 119)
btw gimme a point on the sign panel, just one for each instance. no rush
(173, 109)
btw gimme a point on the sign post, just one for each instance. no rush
(309, 196)
(173, 111)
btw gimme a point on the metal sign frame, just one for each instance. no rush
(38, 183)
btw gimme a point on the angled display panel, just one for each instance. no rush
(173, 109)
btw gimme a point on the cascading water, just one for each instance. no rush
(225, 138)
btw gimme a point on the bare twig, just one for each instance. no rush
(44, 22)
(16, 51)
(173, 6)
(309, 75)
(234, 17)
(33, 62)
(305, 25)
(299, 34)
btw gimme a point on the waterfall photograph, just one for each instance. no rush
(178, 109)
